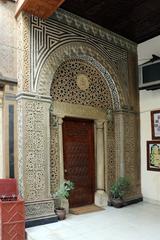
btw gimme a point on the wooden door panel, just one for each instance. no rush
(78, 141)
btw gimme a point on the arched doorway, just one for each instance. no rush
(80, 91)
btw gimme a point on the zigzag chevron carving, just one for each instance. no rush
(47, 35)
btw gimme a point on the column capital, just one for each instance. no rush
(99, 124)
(60, 120)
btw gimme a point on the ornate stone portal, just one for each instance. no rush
(73, 76)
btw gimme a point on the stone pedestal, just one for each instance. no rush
(101, 198)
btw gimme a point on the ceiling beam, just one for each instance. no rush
(39, 8)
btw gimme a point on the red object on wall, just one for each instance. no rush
(12, 212)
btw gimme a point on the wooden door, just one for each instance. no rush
(79, 166)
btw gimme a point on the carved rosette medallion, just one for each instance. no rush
(82, 81)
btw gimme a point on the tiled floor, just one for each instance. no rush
(135, 222)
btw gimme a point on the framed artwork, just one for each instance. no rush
(153, 155)
(155, 124)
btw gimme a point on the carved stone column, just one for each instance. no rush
(60, 133)
(119, 144)
(34, 157)
(100, 195)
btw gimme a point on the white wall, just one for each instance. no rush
(146, 49)
(149, 100)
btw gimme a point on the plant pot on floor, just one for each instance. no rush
(118, 190)
(61, 199)
(117, 202)
(61, 213)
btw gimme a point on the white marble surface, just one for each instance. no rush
(134, 222)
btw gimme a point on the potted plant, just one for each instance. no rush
(61, 199)
(119, 188)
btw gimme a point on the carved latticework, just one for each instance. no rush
(54, 166)
(66, 89)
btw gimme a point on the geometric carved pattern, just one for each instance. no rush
(54, 161)
(35, 138)
(36, 147)
(110, 164)
(65, 88)
(38, 209)
(23, 56)
(81, 152)
(48, 35)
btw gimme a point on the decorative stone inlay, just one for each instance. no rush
(55, 166)
(23, 53)
(34, 148)
(64, 42)
(82, 81)
(39, 209)
(65, 89)
(73, 51)
(93, 29)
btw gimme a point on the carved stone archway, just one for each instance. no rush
(34, 104)
(71, 98)
(38, 103)
(80, 50)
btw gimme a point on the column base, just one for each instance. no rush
(40, 212)
(101, 198)
(40, 221)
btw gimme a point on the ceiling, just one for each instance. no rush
(137, 20)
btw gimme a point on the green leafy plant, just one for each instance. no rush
(120, 188)
(64, 190)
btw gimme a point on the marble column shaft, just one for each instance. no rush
(100, 155)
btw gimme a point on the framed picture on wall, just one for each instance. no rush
(153, 155)
(155, 124)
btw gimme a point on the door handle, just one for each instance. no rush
(65, 170)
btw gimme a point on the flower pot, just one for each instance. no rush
(61, 213)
